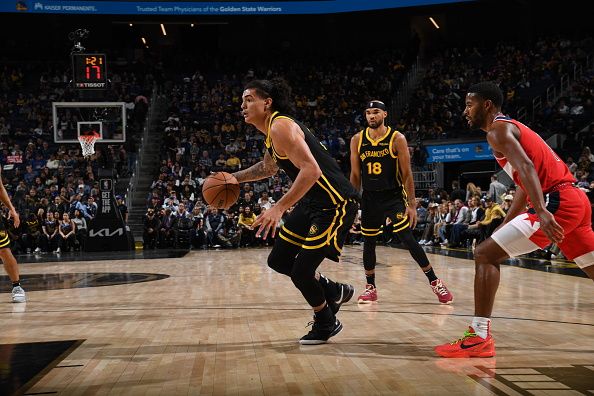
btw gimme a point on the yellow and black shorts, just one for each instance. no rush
(377, 206)
(312, 227)
(4, 239)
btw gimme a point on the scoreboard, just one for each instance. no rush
(89, 71)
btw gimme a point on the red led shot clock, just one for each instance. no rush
(89, 71)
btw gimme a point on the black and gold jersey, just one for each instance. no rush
(332, 187)
(33, 226)
(379, 162)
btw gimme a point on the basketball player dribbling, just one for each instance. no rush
(558, 212)
(326, 203)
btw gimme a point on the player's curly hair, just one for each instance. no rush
(488, 90)
(278, 90)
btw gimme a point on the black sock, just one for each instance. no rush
(325, 315)
(370, 279)
(15, 284)
(330, 287)
(430, 275)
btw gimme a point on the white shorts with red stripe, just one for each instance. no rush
(572, 210)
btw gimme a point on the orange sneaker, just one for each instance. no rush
(471, 345)
(368, 296)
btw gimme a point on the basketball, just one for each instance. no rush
(221, 190)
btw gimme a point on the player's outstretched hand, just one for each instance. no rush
(267, 220)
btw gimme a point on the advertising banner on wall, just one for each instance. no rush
(477, 151)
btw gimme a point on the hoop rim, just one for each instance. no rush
(89, 138)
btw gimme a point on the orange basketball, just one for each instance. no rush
(221, 190)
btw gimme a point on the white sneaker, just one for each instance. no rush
(18, 295)
(422, 242)
(38, 250)
(58, 250)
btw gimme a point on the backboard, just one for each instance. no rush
(72, 119)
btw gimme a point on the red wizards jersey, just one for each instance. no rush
(550, 168)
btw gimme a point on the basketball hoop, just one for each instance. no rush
(87, 142)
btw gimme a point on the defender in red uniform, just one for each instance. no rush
(558, 212)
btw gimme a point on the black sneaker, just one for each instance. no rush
(345, 293)
(321, 332)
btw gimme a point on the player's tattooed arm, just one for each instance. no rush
(263, 169)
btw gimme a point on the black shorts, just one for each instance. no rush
(4, 239)
(312, 227)
(376, 206)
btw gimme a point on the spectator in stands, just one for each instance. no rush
(233, 163)
(472, 191)
(81, 229)
(199, 236)
(247, 201)
(475, 213)
(215, 223)
(494, 216)
(182, 226)
(496, 190)
(31, 234)
(265, 201)
(89, 210)
(459, 216)
(245, 221)
(49, 238)
(221, 162)
(588, 154)
(151, 226)
(571, 165)
(422, 213)
(66, 234)
(166, 230)
(121, 205)
(432, 219)
(60, 206)
(507, 201)
(457, 192)
(171, 204)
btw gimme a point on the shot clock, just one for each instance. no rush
(89, 71)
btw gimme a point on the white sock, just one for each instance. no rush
(481, 326)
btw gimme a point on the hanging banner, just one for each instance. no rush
(208, 7)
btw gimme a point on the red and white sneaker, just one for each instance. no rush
(469, 346)
(441, 291)
(368, 296)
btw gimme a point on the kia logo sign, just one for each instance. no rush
(105, 232)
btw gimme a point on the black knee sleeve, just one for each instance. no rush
(416, 251)
(280, 262)
(303, 275)
(369, 252)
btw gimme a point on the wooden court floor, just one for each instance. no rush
(223, 323)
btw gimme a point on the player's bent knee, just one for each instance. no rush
(489, 252)
(278, 264)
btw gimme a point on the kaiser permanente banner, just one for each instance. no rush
(459, 152)
(220, 7)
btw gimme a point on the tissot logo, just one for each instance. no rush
(106, 232)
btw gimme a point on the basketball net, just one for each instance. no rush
(87, 142)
